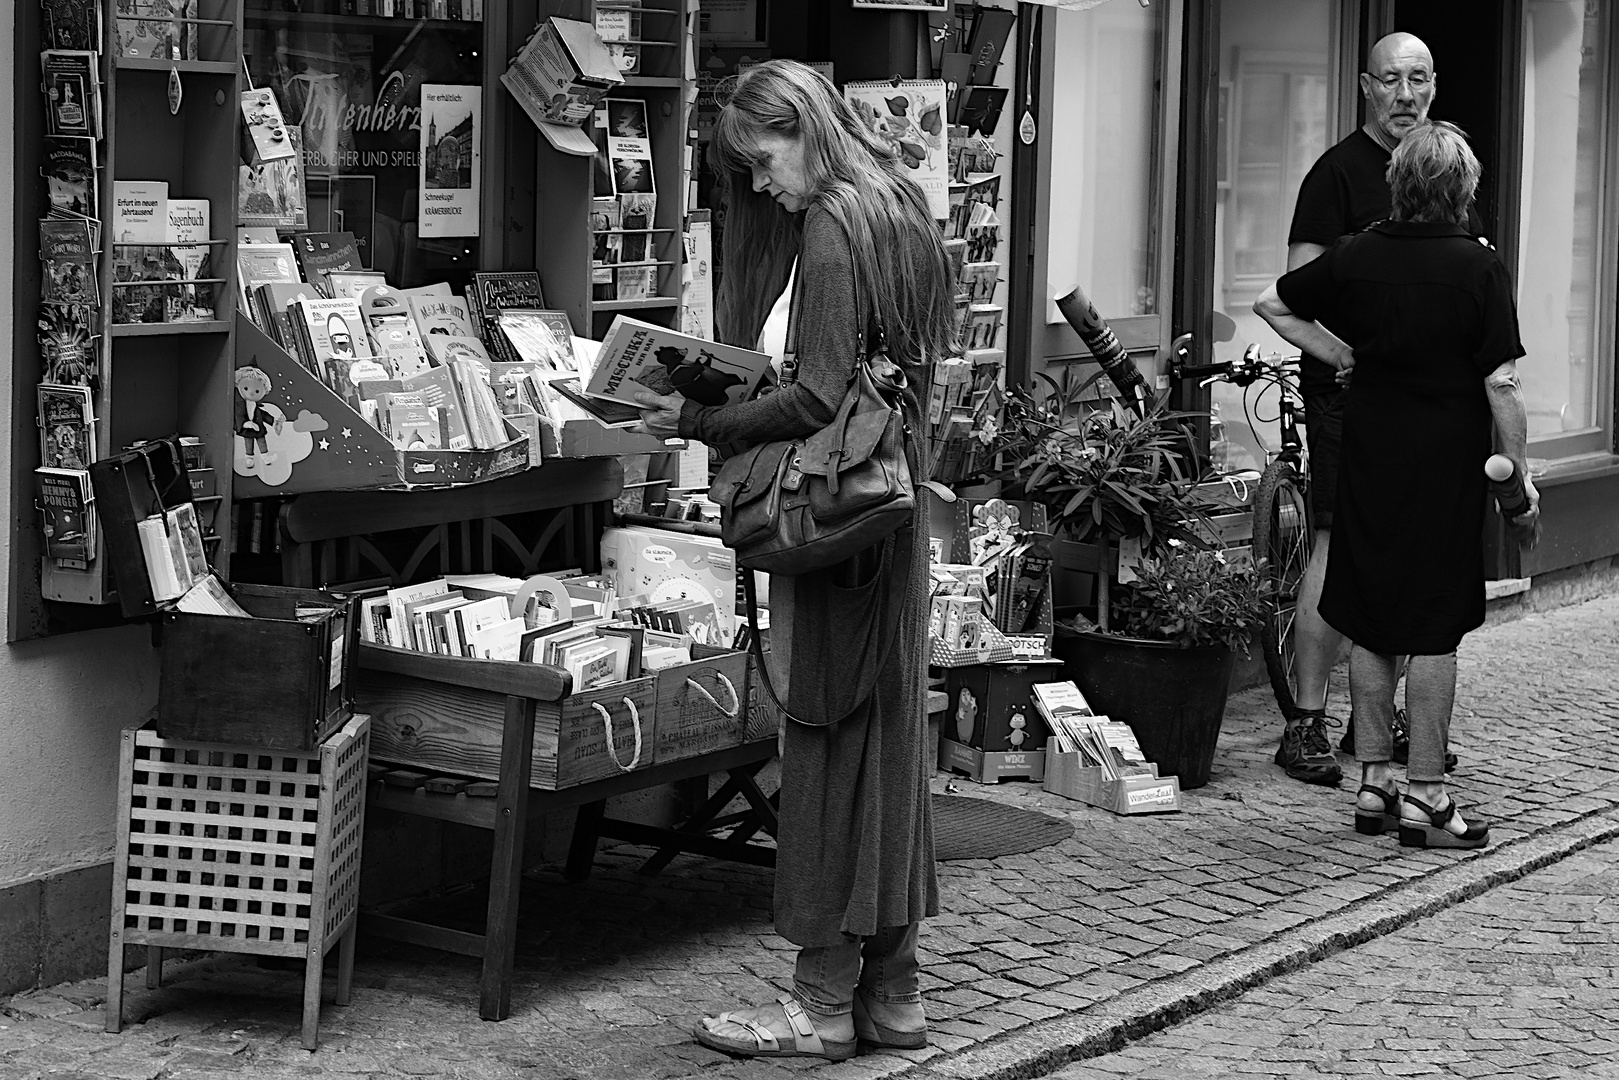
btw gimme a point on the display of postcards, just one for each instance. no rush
(72, 24)
(147, 29)
(68, 254)
(351, 284)
(73, 92)
(323, 253)
(66, 427)
(980, 279)
(605, 221)
(635, 216)
(67, 344)
(621, 24)
(983, 239)
(67, 515)
(637, 282)
(494, 291)
(70, 174)
(983, 323)
(956, 250)
(978, 108)
(273, 194)
(535, 336)
(631, 161)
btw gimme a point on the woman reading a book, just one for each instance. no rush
(826, 232)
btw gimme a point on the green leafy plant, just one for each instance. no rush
(1106, 475)
(1192, 597)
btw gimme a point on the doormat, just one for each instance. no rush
(980, 829)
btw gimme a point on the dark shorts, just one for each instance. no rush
(1324, 429)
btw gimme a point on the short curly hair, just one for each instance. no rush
(1433, 174)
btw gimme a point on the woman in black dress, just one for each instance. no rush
(1430, 315)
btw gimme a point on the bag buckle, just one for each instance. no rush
(793, 478)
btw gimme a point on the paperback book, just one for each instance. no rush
(70, 174)
(68, 254)
(439, 314)
(73, 24)
(636, 356)
(66, 427)
(351, 284)
(326, 253)
(494, 291)
(73, 92)
(67, 515)
(66, 334)
(189, 225)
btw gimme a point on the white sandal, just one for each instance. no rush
(806, 1041)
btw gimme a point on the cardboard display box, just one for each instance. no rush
(1154, 794)
(989, 767)
(987, 701)
(662, 564)
(324, 445)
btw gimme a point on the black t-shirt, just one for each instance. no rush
(1430, 309)
(1345, 191)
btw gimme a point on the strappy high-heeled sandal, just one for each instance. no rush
(1433, 834)
(1377, 822)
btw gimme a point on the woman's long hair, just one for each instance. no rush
(857, 178)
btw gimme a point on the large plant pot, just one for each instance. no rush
(1173, 698)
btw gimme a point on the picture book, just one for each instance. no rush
(149, 299)
(441, 315)
(406, 594)
(66, 335)
(613, 414)
(494, 291)
(400, 351)
(409, 422)
(72, 24)
(67, 514)
(621, 24)
(344, 374)
(638, 356)
(485, 426)
(68, 256)
(275, 193)
(324, 253)
(66, 427)
(437, 387)
(73, 91)
(328, 328)
(146, 29)
(268, 307)
(167, 572)
(262, 264)
(70, 175)
(444, 350)
(140, 211)
(184, 523)
(538, 336)
(351, 284)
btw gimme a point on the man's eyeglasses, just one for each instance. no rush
(1418, 80)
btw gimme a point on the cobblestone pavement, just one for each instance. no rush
(1518, 983)
(611, 973)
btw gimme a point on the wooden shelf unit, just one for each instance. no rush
(564, 184)
(158, 379)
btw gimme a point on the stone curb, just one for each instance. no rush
(1047, 1046)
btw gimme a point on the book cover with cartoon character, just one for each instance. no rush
(638, 356)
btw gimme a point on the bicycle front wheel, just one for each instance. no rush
(1283, 537)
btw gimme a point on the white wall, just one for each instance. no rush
(63, 700)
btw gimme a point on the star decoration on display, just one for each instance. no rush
(325, 445)
(346, 433)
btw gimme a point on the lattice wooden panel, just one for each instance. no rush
(240, 850)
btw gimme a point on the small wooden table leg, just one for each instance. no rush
(154, 967)
(115, 982)
(586, 833)
(313, 963)
(345, 963)
(506, 875)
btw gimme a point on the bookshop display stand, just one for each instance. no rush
(239, 850)
(157, 378)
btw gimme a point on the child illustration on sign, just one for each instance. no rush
(966, 715)
(267, 446)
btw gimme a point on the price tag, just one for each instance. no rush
(1025, 128)
(176, 92)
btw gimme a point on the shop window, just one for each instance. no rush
(1104, 167)
(351, 86)
(1567, 228)
(1279, 99)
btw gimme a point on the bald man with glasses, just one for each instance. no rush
(1343, 193)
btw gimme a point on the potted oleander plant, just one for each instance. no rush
(1171, 611)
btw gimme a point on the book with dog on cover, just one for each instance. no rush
(638, 356)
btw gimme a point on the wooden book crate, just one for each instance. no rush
(275, 680)
(447, 713)
(238, 849)
(702, 706)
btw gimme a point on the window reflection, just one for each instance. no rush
(1560, 315)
